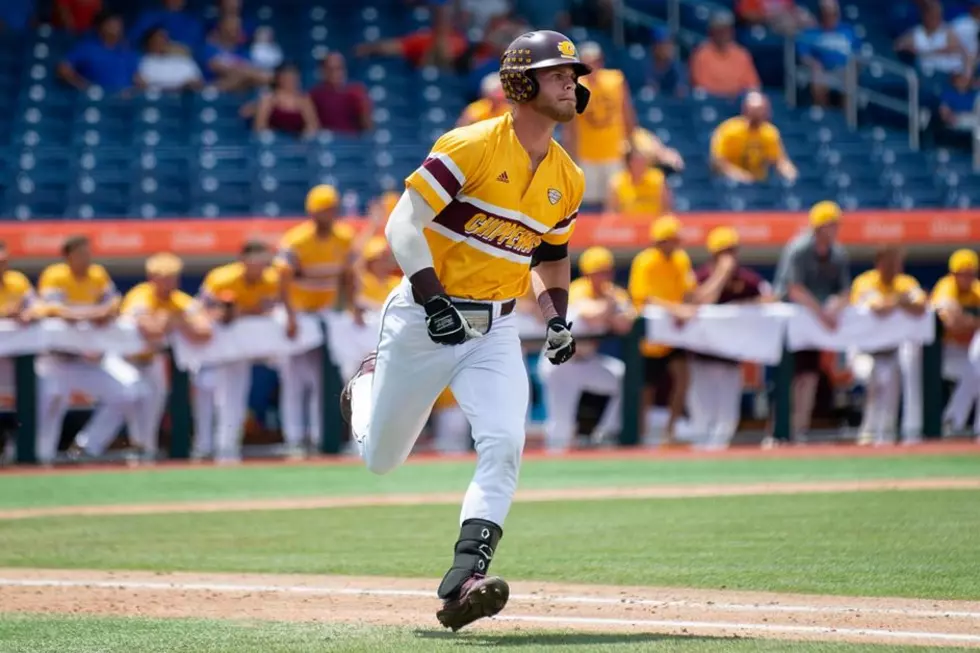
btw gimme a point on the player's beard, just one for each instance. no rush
(559, 111)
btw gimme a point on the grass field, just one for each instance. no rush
(756, 564)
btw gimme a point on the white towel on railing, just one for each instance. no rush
(860, 329)
(745, 332)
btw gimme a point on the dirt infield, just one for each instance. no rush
(523, 496)
(412, 603)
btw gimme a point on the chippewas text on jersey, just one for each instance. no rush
(492, 213)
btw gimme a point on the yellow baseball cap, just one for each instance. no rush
(722, 238)
(823, 213)
(963, 260)
(596, 259)
(321, 198)
(375, 247)
(665, 228)
(164, 264)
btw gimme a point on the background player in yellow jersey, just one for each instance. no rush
(884, 290)
(598, 306)
(314, 262)
(16, 303)
(743, 148)
(492, 104)
(487, 214)
(597, 137)
(957, 300)
(78, 290)
(247, 287)
(639, 191)
(159, 309)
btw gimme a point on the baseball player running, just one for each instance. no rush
(487, 214)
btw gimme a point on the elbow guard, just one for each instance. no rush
(547, 252)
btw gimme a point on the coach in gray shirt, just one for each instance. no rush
(814, 272)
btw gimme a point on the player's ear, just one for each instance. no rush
(582, 96)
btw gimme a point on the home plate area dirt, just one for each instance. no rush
(533, 606)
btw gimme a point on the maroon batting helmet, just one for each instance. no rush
(536, 50)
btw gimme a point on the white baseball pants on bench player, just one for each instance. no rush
(715, 401)
(488, 378)
(563, 387)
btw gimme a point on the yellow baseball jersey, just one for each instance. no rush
(15, 291)
(372, 290)
(492, 211)
(143, 299)
(317, 264)
(655, 276)
(484, 110)
(869, 288)
(228, 283)
(640, 199)
(753, 150)
(445, 400)
(946, 292)
(602, 129)
(59, 288)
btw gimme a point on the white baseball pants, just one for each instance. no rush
(957, 366)
(232, 383)
(715, 400)
(59, 378)
(563, 387)
(301, 398)
(884, 394)
(488, 379)
(910, 361)
(204, 382)
(143, 421)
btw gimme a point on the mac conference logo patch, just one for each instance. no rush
(554, 195)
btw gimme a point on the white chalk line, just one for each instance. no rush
(766, 628)
(537, 598)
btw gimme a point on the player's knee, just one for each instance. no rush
(501, 448)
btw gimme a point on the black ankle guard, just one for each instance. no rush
(477, 542)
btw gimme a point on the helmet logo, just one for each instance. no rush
(567, 49)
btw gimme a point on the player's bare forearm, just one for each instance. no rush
(285, 288)
(550, 279)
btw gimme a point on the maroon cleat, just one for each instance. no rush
(478, 598)
(366, 367)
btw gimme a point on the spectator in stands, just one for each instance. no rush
(720, 66)
(666, 75)
(341, 106)
(936, 47)
(744, 147)
(825, 50)
(226, 62)
(75, 16)
(265, 52)
(957, 300)
(182, 26)
(884, 290)
(782, 16)
(662, 276)
(166, 68)
(287, 108)
(967, 30)
(439, 46)
(103, 60)
(232, 8)
(596, 139)
(957, 103)
(16, 15)
(481, 14)
(493, 104)
(814, 272)
(639, 191)
(715, 397)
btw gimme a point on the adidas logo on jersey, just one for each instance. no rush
(502, 177)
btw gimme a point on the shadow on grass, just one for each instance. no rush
(490, 640)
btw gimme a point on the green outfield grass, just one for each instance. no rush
(42, 634)
(207, 483)
(915, 544)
